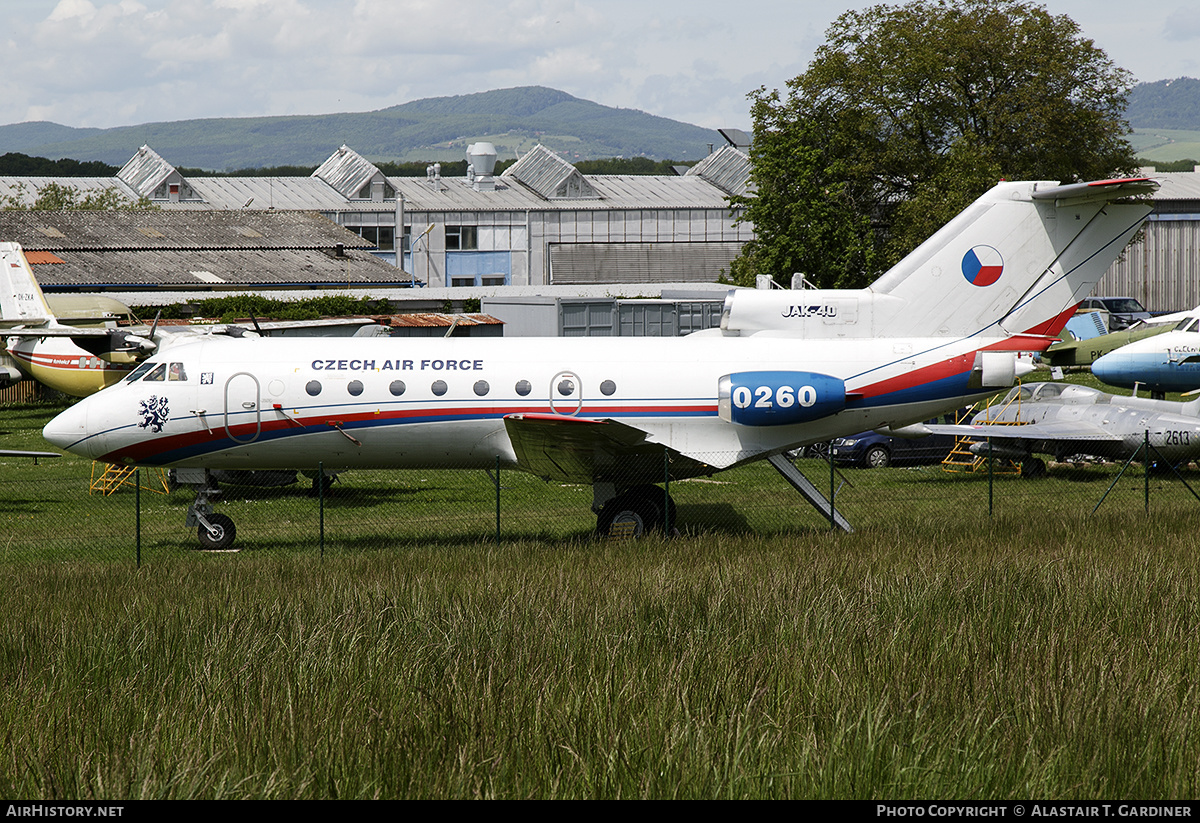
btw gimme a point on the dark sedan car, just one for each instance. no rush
(872, 450)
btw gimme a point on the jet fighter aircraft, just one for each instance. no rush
(1062, 419)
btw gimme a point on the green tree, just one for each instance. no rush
(908, 113)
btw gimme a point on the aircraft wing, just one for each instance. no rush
(572, 450)
(1050, 430)
(54, 331)
(34, 455)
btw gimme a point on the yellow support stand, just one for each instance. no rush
(114, 477)
(960, 457)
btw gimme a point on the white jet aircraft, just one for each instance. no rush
(941, 329)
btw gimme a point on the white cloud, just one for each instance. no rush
(111, 62)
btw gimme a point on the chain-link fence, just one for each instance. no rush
(69, 508)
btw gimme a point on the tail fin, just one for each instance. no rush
(21, 300)
(1022, 256)
(1016, 262)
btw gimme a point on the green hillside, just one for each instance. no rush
(432, 129)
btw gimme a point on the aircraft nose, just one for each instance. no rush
(68, 430)
(1110, 367)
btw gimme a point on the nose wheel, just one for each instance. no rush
(216, 532)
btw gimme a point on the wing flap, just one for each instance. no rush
(575, 450)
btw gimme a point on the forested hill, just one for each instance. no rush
(433, 129)
(1167, 104)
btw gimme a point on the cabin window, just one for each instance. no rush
(482, 387)
(355, 387)
(566, 387)
(523, 387)
(608, 388)
(137, 373)
(313, 387)
(397, 387)
(438, 387)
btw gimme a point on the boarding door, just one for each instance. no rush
(566, 393)
(243, 416)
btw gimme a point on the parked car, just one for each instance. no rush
(872, 450)
(1122, 312)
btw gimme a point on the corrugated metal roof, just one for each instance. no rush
(547, 179)
(169, 229)
(259, 193)
(347, 171)
(727, 168)
(145, 171)
(436, 320)
(24, 190)
(214, 269)
(549, 176)
(1177, 185)
(194, 249)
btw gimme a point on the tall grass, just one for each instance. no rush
(921, 659)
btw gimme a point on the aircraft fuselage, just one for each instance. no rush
(409, 403)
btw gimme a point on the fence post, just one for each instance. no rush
(1146, 473)
(321, 502)
(991, 462)
(137, 504)
(832, 491)
(666, 492)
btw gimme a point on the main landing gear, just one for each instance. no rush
(634, 512)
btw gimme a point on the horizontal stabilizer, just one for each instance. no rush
(1097, 190)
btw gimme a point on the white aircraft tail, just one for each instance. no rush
(21, 300)
(1022, 256)
(1016, 262)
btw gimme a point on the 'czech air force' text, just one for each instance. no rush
(397, 365)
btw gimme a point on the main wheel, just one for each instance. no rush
(223, 536)
(634, 513)
(877, 457)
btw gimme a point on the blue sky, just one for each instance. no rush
(102, 63)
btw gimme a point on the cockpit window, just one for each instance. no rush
(176, 373)
(158, 375)
(137, 373)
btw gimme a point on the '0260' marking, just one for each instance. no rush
(768, 397)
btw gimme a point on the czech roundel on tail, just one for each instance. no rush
(943, 328)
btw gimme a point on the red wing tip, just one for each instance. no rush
(553, 418)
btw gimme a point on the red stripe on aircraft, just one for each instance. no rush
(917, 377)
(138, 452)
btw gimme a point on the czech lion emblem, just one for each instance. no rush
(154, 413)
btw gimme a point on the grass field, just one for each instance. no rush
(937, 652)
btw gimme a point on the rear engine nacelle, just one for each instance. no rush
(778, 398)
